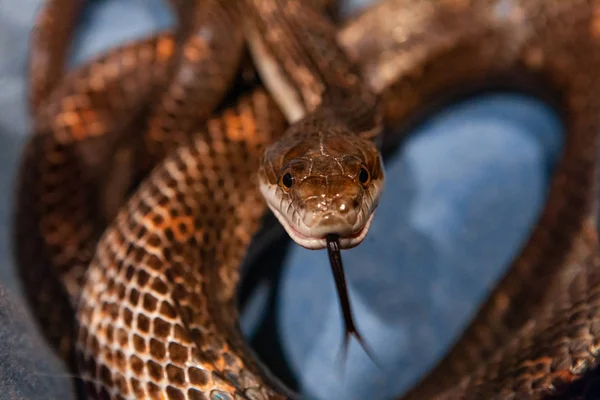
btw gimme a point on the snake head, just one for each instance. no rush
(323, 182)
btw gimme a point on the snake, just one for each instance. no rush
(151, 167)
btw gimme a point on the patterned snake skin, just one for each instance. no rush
(154, 293)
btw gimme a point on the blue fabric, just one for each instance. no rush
(461, 197)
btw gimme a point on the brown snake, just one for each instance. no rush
(157, 315)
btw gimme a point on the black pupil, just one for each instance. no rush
(363, 175)
(287, 180)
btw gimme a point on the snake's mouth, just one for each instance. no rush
(318, 242)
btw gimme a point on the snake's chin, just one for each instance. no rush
(320, 242)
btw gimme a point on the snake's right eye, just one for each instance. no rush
(287, 180)
(364, 177)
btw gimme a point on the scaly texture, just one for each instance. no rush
(160, 316)
(158, 303)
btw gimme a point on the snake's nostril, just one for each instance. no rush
(343, 206)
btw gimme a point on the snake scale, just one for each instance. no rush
(153, 282)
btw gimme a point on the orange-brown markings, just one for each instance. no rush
(165, 48)
(534, 58)
(197, 50)
(595, 21)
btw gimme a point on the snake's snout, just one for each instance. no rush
(333, 212)
(343, 216)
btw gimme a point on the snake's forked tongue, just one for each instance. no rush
(337, 267)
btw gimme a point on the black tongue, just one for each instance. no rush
(337, 268)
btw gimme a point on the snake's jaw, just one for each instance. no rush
(309, 221)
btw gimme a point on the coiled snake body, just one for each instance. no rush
(153, 284)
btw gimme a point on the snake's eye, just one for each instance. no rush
(287, 180)
(364, 177)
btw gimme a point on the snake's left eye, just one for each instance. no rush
(364, 177)
(287, 180)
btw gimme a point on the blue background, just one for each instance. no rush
(461, 197)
